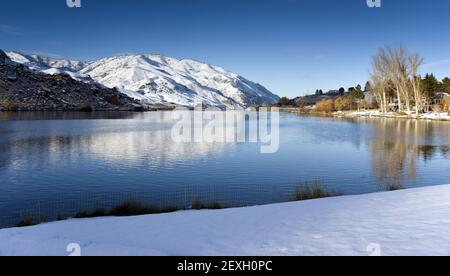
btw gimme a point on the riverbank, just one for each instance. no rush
(407, 222)
(443, 116)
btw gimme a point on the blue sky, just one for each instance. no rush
(290, 46)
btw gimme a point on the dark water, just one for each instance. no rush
(53, 163)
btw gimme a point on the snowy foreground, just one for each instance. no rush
(409, 222)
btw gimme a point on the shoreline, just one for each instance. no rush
(148, 108)
(307, 228)
(431, 116)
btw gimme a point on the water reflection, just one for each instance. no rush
(429, 152)
(398, 145)
(18, 116)
(68, 158)
(153, 147)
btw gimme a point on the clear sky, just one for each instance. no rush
(290, 46)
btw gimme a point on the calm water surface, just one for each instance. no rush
(53, 163)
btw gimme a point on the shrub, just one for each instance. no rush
(343, 103)
(284, 101)
(311, 191)
(302, 102)
(85, 108)
(60, 217)
(169, 209)
(214, 206)
(401, 113)
(133, 208)
(325, 106)
(81, 214)
(27, 222)
(112, 99)
(7, 105)
(127, 208)
(198, 205)
(338, 104)
(393, 187)
(99, 212)
(437, 108)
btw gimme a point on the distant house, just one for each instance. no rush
(334, 93)
(442, 99)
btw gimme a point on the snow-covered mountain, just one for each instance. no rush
(159, 80)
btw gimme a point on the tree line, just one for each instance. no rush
(395, 84)
(395, 80)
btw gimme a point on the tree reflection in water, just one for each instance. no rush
(398, 144)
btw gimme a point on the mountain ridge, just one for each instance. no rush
(157, 79)
(24, 89)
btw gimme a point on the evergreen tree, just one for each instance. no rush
(430, 85)
(357, 93)
(284, 101)
(446, 85)
(368, 87)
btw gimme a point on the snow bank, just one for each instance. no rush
(376, 113)
(409, 222)
(436, 116)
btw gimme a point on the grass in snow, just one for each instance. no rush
(310, 191)
(394, 187)
(198, 205)
(127, 208)
(27, 222)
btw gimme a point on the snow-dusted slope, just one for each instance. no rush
(158, 79)
(50, 65)
(42, 63)
(409, 222)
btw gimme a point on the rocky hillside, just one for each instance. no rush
(155, 79)
(23, 89)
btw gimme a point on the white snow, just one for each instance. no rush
(436, 116)
(408, 222)
(159, 80)
(444, 116)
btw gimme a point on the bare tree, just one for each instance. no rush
(394, 66)
(380, 79)
(414, 62)
(379, 87)
(390, 58)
